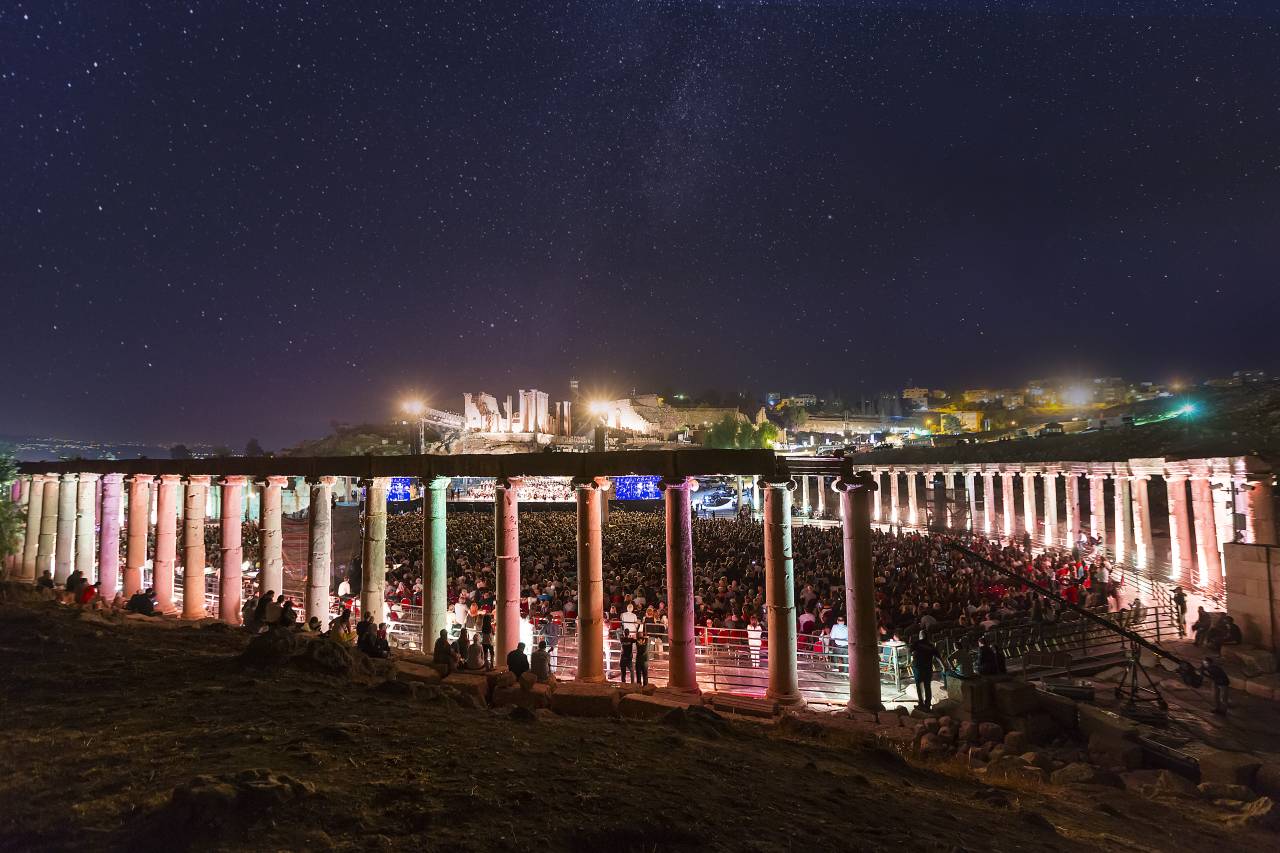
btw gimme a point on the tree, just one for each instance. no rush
(179, 451)
(723, 433)
(730, 433)
(951, 425)
(222, 452)
(11, 521)
(254, 449)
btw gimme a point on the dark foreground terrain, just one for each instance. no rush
(120, 735)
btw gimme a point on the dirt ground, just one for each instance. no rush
(151, 736)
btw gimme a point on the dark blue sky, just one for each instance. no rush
(229, 219)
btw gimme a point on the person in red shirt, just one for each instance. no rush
(87, 594)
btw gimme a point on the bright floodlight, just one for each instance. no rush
(598, 407)
(1077, 396)
(413, 407)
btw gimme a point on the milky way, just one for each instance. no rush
(229, 219)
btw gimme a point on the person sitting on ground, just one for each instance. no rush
(142, 602)
(381, 644)
(313, 625)
(518, 661)
(288, 616)
(460, 647)
(249, 613)
(1212, 670)
(442, 654)
(273, 611)
(1234, 636)
(260, 611)
(45, 581)
(1200, 627)
(540, 662)
(990, 658)
(88, 592)
(367, 640)
(74, 581)
(340, 628)
(475, 653)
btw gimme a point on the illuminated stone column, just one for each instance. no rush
(193, 551)
(1141, 521)
(821, 495)
(895, 502)
(435, 556)
(320, 550)
(1123, 516)
(1259, 510)
(1072, 484)
(1208, 557)
(166, 541)
(877, 496)
(679, 540)
(86, 525)
(1029, 523)
(756, 506)
(1050, 507)
(780, 592)
(971, 494)
(988, 502)
(913, 503)
(64, 547)
(1009, 511)
(1098, 507)
(31, 538)
(271, 577)
(373, 582)
(589, 494)
(231, 571)
(804, 495)
(138, 520)
(109, 537)
(48, 526)
(1181, 555)
(859, 593)
(506, 551)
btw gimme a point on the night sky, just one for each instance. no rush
(221, 220)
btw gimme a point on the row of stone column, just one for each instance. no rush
(1130, 539)
(61, 513)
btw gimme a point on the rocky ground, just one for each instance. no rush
(124, 733)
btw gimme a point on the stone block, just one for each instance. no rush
(977, 699)
(1225, 791)
(513, 695)
(1154, 783)
(406, 671)
(1094, 720)
(473, 683)
(639, 706)
(1016, 742)
(1079, 773)
(575, 699)
(1114, 752)
(1014, 698)
(990, 732)
(1061, 710)
(1267, 779)
(1251, 661)
(1220, 765)
(1038, 726)
(1263, 686)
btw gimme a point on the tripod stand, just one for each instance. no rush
(1132, 692)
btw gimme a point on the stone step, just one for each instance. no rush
(750, 706)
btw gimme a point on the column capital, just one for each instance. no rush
(777, 483)
(321, 480)
(678, 483)
(601, 483)
(137, 479)
(437, 482)
(860, 482)
(68, 477)
(88, 478)
(508, 483)
(271, 480)
(234, 480)
(113, 479)
(198, 479)
(170, 479)
(376, 482)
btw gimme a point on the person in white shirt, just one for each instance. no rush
(629, 619)
(840, 642)
(344, 588)
(753, 640)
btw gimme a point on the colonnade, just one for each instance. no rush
(1211, 502)
(56, 523)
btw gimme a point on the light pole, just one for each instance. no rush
(418, 442)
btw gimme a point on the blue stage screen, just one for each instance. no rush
(399, 490)
(637, 488)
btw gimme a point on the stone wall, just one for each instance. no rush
(1253, 591)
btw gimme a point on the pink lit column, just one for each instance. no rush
(1072, 484)
(895, 504)
(1182, 555)
(231, 572)
(135, 556)
(1098, 507)
(166, 541)
(1259, 515)
(506, 551)
(194, 557)
(1008, 510)
(1029, 501)
(988, 502)
(64, 549)
(679, 530)
(109, 537)
(1050, 506)
(1142, 545)
(1208, 556)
